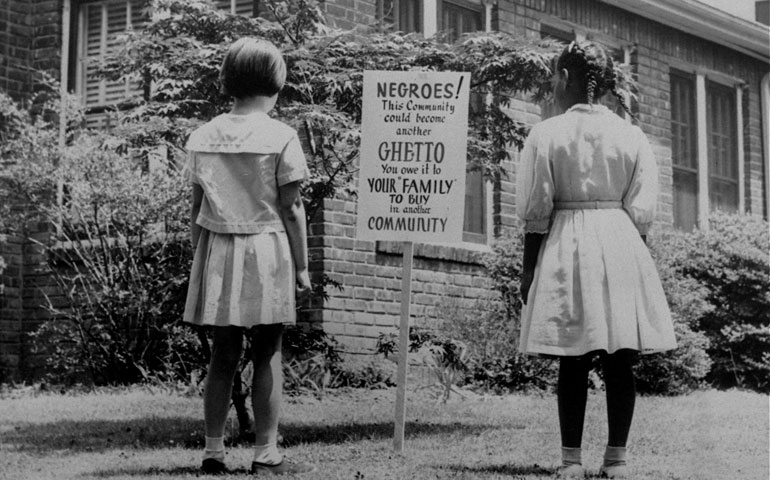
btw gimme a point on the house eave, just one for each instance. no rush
(704, 21)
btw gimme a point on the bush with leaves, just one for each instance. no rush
(729, 267)
(684, 369)
(121, 257)
(510, 370)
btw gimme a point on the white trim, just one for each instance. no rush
(103, 35)
(487, 15)
(80, 67)
(704, 21)
(703, 154)
(429, 17)
(489, 198)
(764, 92)
(64, 70)
(739, 148)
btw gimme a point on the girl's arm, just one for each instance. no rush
(532, 242)
(292, 212)
(195, 208)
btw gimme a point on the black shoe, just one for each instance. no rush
(212, 466)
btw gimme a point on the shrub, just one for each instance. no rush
(683, 369)
(730, 263)
(511, 371)
(121, 258)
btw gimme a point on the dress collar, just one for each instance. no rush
(588, 108)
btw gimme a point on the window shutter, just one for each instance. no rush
(102, 23)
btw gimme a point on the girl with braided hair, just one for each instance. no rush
(587, 189)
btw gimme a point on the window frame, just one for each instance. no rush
(703, 79)
(678, 168)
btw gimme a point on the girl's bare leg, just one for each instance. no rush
(267, 383)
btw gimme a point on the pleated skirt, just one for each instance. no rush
(595, 287)
(241, 280)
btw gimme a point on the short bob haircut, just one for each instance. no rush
(252, 67)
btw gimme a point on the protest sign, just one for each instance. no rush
(414, 131)
(411, 188)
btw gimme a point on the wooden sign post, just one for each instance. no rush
(411, 185)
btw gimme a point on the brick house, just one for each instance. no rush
(704, 101)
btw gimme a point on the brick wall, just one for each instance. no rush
(26, 283)
(15, 52)
(445, 280)
(349, 14)
(30, 40)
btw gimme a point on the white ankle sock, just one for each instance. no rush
(215, 448)
(267, 454)
(571, 456)
(614, 456)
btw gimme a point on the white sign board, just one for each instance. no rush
(414, 132)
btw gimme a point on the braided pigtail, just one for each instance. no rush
(622, 101)
(591, 87)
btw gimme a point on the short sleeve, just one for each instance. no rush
(292, 166)
(642, 195)
(534, 190)
(190, 169)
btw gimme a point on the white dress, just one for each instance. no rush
(243, 272)
(588, 179)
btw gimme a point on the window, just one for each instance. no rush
(404, 15)
(427, 16)
(458, 18)
(705, 148)
(248, 8)
(99, 24)
(722, 149)
(683, 151)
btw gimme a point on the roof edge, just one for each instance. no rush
(704, 21)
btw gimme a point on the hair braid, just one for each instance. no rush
(591, 86)
(622, 101)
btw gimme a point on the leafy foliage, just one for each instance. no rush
(729, 264)
(122, 260)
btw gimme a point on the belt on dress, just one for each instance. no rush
(588, 205)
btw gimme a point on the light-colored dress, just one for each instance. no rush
(589, 180)
(242, 273)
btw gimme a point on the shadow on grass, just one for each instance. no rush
(294, 434)
(506, 469)
(101, 435)
(185, 472)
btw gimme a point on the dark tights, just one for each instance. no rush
(572, 392)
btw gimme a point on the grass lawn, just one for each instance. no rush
(136, 434)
